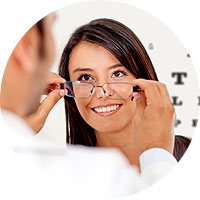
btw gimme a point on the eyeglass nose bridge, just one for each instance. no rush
(100, 86)
(103, 89)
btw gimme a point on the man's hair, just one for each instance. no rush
(40, 27)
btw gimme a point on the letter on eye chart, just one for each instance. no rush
(198, 101)
(194, 122)
(177, 122)
(176, 102)
(179, 77)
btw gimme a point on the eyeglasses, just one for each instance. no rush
(113, 90)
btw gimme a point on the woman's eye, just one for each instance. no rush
(85, 77)
(118, 74)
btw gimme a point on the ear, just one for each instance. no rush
(26, 51)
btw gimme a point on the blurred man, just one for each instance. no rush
(47, 171)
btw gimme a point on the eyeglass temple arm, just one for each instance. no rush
(136, 88)
(64, 86)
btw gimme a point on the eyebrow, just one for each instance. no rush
(82, 69)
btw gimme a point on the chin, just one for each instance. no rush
(108, 127)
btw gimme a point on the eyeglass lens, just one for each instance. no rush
(114, 90)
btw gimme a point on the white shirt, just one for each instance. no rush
(45, 171)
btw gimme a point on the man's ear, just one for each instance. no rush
(26, 51)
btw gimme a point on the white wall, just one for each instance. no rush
(168, 55)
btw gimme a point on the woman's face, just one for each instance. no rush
(94, 64)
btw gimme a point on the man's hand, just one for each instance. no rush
(54, 94)
(154, 116)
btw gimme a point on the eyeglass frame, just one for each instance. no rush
(63, 86)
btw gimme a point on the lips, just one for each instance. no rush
(106, 110)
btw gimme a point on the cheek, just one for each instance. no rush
(82, 107)
(129, 110)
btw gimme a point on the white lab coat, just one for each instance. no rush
(39, 170)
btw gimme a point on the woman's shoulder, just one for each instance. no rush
(181, 144)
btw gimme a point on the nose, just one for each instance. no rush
(100, 92)
(104, 91)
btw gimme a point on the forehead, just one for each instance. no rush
(88, 54)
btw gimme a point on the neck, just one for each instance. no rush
(123, 140)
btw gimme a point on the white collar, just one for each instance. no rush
(15, 130)
(19, 135)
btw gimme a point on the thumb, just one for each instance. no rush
(36, 120)
(49, 102)
(140, 105)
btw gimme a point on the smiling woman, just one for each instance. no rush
(108, 60)
(97, 42)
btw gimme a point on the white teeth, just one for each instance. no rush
(106, 109)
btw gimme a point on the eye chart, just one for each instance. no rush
(174, 67)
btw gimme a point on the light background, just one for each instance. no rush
(181, 16)
(168, 56)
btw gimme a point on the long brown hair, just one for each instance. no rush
(123, 43)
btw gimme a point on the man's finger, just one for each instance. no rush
(49, 102)
(152, 94)
(54, 78)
